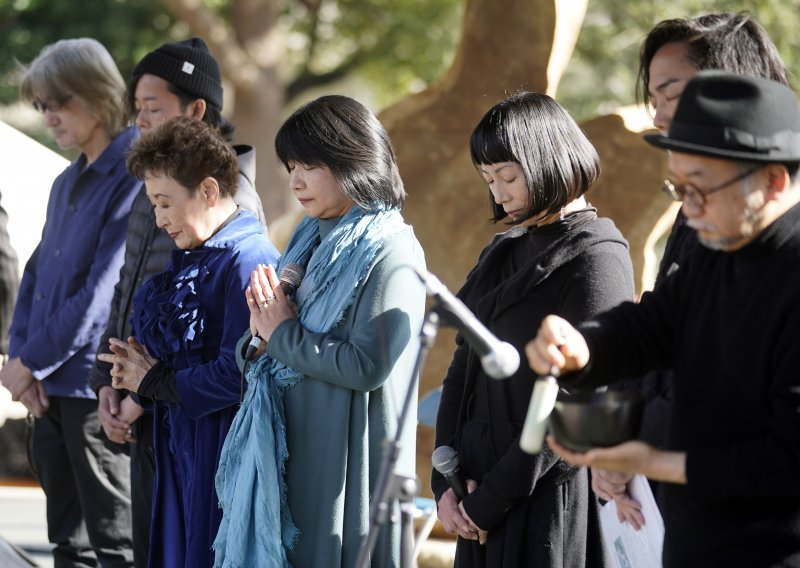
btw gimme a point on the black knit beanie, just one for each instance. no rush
(186, 64)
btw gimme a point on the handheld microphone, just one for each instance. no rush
(445, 461)
(543, 399)
(498, 358)
(291, 276)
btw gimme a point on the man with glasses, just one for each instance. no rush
(727, 322)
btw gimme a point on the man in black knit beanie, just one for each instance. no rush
(177, 79)
(727, 323)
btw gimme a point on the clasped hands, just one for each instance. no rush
(130, 362)
(269, 306)
(455, 519)
(22, 385)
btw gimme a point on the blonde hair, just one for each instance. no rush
(80, 68)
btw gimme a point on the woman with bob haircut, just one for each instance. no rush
(329, 385)
(526, 510)
(66, 288)
(185, 323)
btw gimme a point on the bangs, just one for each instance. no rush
(489, 142)
(297, 142)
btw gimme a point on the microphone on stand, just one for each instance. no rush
(498, 358)
(291, 276)
(445, 461)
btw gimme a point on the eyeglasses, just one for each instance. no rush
(52, 106)
(686, 191)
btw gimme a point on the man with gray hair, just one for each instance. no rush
(727, 322)
(63, 304)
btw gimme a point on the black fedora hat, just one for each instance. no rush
(737, 117)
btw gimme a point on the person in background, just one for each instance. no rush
(177, 79)
(339, 363)
(726, 323)
(557, 256)
(672, 53)
(9, 283)
(185, 324)
(64, 300)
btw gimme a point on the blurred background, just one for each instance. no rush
(429, 68)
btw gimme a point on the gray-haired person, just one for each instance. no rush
(63, 303)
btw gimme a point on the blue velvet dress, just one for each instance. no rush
(190, 317)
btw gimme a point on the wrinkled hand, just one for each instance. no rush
(453, 521)
(117, 428)
(472, 485)
(612, 485)
(35, 399)
(269, 306)
(130, 362)
(557, 344)
(16, 377)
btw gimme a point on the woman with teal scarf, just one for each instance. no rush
(303, 454)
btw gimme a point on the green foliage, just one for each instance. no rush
(397, 45)
(128, 28)
(602, 72)
(413, 39)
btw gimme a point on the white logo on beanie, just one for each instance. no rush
(187, 68)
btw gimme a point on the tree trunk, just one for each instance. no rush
(250, 56)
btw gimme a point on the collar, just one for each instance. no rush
(109, 158)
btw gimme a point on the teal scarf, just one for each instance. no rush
(257, 527)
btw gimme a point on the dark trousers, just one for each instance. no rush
(86, 480)
(143, 470)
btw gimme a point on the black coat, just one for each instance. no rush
(727, 323)
(539, 511)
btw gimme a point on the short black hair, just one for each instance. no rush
(725, 41)
(341, 134)
(187, 151)
(534, 131)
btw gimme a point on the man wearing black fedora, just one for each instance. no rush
(178, 79)
(727, 323)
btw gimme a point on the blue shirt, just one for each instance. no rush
(68, 283)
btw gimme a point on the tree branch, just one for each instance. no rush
(306, 80)
(237, 66)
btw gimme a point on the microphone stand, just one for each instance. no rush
(390, 485)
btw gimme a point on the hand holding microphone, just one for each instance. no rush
(269, 300)
(445, 461)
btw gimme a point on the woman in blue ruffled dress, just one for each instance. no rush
(186, 322)
(329, 385)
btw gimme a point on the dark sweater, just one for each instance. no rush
(728, 324)
(578, 268)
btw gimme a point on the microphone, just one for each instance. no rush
(543, 399)
(291, 276)
(445, 461)
(498, 358)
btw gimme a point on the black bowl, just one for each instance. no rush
(584, 420)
